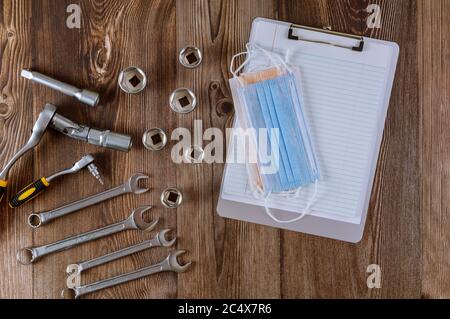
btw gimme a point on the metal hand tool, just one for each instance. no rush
(171, 198)
(183, 101)
(49, 118)
(154, 139)
(136, 221)
(132, 80)
(190, 57)
(104, 138)
(84, 96)
(36, 188)
(131, 186)
(169, 264)
(158, 241)
(38, 131)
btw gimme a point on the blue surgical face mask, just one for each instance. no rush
(274, 104)
(268, 96)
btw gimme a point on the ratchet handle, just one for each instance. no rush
(3, 185)
(29, 192)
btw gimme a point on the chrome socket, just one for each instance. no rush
(171, 198)
(132, 80)
(104, 138)
(194, 155)
(183, 101)
(154, 139)
(190, 57)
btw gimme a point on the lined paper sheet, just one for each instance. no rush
(343, 95)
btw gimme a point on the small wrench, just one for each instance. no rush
(136, 221)
(158, 241)
(168, 264)
(35, 220)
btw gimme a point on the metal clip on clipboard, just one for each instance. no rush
(358, 48)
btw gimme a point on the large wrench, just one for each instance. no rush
(131, 186)
(158, 241)
(136, 221)
(168, 264)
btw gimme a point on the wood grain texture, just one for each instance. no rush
(114, 36)
(16, 120)
(392, 234)
(225, 251)
(434, 75)
(407, 227)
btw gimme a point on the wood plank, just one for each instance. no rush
(434, 79)
(407, 228)
(16, 122)
(233, 259)
(314, 267)
(113, 36)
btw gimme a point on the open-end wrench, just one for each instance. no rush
(158, 241)
(168, 264)
(136, 221)
(35, 220)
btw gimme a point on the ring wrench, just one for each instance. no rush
(158, 241)
(135, 221)
(131, 186)
(169, 264)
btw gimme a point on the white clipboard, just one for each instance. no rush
(347, 82)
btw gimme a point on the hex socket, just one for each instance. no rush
(104, 138)
(108, 139)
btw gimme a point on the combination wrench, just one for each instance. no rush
(36, 220)
(158, 241)
(136, 221)
(169, 264)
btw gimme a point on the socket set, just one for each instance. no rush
(131, 80)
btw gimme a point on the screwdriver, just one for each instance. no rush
(34, 189)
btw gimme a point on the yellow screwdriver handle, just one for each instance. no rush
(29, 192)
(3, 185)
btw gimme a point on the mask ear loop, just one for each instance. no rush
(302, 215)
(271, 56)
(235, 72)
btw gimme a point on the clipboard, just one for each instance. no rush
(346, 85)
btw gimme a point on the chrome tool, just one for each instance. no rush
(171, 198)
(158, 241)
(170, 264)
(132, 80)
(130, 186)
(39, 128)
(104, 138)
(36, 188)
(136, 221)
(84, 96)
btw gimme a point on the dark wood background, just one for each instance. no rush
(407, 231)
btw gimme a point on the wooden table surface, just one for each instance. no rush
(407, 231)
